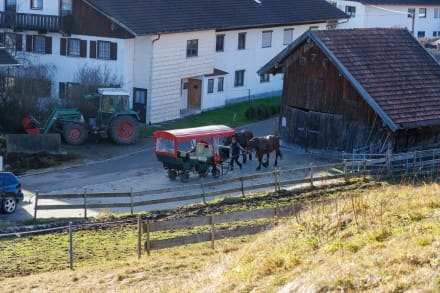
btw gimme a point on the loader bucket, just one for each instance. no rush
(30, 126)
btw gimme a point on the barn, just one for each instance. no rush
(358, 90)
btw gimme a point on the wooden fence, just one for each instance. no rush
(418, 161)
(211, 221)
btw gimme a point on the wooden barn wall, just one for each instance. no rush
(321, 108)
(87, 21)
(421, 138)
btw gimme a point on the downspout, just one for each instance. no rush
(149, 99)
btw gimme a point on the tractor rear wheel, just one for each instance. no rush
(74, 133)
(124, 130)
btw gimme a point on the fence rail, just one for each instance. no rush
(148, 227)
(416, 161)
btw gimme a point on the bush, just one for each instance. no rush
(250, 113)
(261, 111)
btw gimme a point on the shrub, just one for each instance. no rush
(250, 113)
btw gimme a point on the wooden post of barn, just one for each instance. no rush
(131, 200)
(85, 203)
(139, 236)
(36, 205)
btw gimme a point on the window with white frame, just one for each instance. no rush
(192, 48)
(36, 4)
(264, 78)
(421, 34)
(422, 12)
(220, 84)
(266, 39)
(350, 10)
(436, 33)
(239, 78)
(288, 36)
(241, 41)
(74, 47)
(411, 12)
(103, 50)
(210, 86)
(220, 43)
(436, 12)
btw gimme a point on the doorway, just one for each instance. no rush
(140, 103)
(194, 93)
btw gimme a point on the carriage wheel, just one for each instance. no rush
(172, 174)
(184, 176)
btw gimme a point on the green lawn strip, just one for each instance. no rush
(232, 115)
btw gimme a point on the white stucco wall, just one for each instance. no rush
(50, 7)
(391, 16)
(170, 66)
(65, 67)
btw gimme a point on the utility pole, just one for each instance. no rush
(413, 16)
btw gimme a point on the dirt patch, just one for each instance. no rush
(19, 163)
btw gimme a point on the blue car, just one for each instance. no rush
(10, 192)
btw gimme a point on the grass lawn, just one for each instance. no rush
(232, 115)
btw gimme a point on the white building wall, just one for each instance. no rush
(249, 59)
(170, 66)
(388, 16)
(142, 62)
(50, 7)
(66, 67)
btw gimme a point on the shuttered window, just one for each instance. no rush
(39, 44)
(103, 50)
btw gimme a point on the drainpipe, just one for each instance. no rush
(151, 79)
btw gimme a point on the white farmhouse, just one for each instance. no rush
(173, 55)
(422, 17)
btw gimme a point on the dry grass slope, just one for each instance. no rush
(385, 239)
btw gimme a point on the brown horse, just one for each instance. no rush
(266, 145)
(243, 137)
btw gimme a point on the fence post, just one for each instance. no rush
(131, 200)
(85, 203)
(212, 220)
(139, 236)
(364, 171)
(242, 187)
(36, 205)
(202, 180)
(148, 237)
(345, 171)
(70, 246)
(389, 161)
(311, 175)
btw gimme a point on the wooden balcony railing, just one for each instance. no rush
(30, 21)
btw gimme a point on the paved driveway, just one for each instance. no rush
(112, 168)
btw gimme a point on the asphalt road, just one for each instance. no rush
(111, 168)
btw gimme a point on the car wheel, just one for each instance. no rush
(9, 205)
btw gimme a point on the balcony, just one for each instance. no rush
(25, 21)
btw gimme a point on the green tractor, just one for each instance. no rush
(113, 118)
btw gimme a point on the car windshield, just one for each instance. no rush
(114, 103)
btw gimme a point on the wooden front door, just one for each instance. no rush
(194, 93)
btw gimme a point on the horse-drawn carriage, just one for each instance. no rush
(198, 150)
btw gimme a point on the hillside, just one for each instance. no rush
(385, 238)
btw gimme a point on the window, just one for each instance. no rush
(73, 47)
(192, 48)
(220, 83)
(210, 86)
(422, 12)
(67, 89)
(39, 44)
(421, 34)
(264, 78)
(288, 36)
(241, 41)
(239, 78)
(66, 7)
(220, 43)
(411, 12)
(350, 10)
(36, 4)
(12, 41)
(434, 33)
(11, 5)
(103, 50)
(266, 39)
(436, 12)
